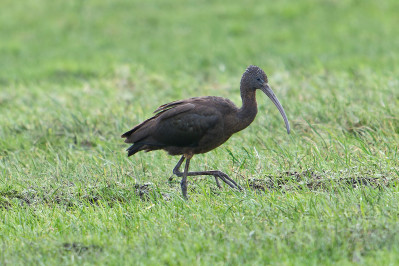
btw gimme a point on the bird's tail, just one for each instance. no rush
(136, 147)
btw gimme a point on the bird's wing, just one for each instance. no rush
(180, 123)
(177, 128)
(171, 105)
(141, 130)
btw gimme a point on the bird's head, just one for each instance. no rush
(254, 78)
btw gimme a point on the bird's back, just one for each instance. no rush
(194, 125)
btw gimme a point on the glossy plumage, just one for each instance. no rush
(198, 125)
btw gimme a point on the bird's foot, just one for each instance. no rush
(217, 182)
(225, 178)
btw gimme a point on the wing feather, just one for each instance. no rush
(185, 129)
(180, 123)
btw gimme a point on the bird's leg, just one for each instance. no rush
(177, 167)
(177, 172)
(183, 183)
(217, 174)
(217, 182)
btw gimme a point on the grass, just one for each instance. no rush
(77, 74)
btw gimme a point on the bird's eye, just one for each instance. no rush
(258, 79)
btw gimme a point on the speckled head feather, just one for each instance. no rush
(252, 77)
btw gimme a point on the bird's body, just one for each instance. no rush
(198, 125)
(191, 126)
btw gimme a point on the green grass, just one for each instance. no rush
(75, 75)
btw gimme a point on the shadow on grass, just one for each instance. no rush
(71, 196)
(108, 195)
(313, 181)
(79, 248)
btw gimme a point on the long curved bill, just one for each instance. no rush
(268, 91)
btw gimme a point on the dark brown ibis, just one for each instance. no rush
(201, 124)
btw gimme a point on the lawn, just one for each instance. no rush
(75, 75)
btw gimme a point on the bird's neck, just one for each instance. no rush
(249, 109)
